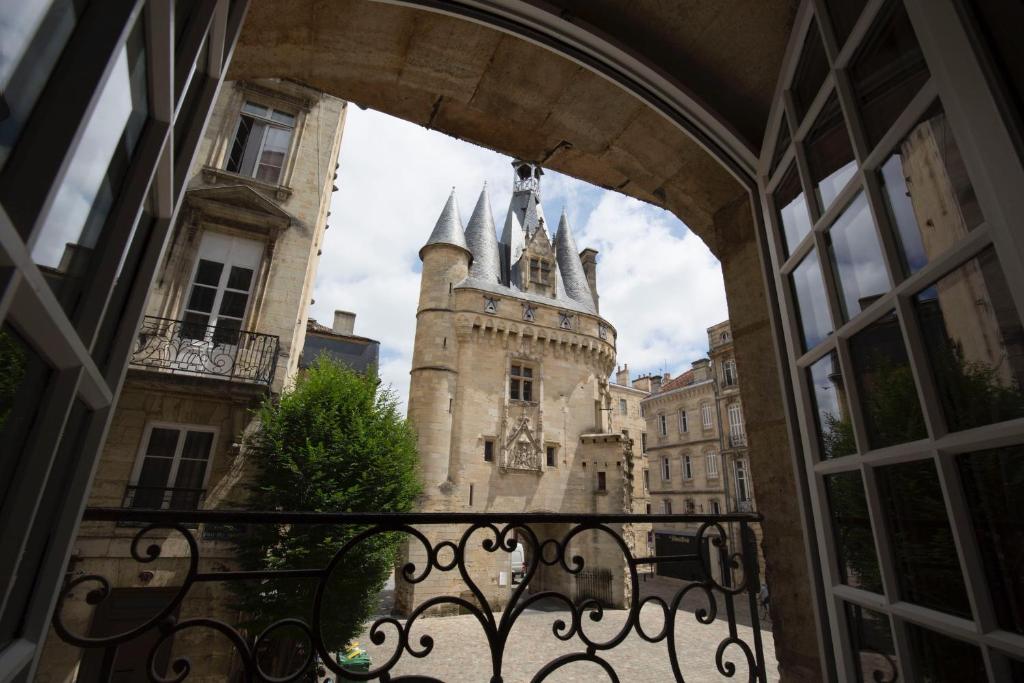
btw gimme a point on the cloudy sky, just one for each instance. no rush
(659, 285)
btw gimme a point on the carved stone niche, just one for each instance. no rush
(521, 450)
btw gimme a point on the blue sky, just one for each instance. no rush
(659, 285)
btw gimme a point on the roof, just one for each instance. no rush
(682, 380)
(483, 242)
(448, 229)
(573, 275)
(316, 328)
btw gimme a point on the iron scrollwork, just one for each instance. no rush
(189, 348)
(737, 577)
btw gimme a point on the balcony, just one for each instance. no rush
(720, 598)
(181, 348)
(160, 498)
(744, 506)
(737, 440)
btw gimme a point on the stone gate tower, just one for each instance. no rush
(509, 386)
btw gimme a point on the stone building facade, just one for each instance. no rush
(509, 390)
(696, 451)
(225, 324)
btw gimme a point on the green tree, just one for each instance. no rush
(334, 443)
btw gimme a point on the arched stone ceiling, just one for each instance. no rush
(500, 91)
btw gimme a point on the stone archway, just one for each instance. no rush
(655, 102)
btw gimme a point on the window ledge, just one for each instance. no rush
(520, 402)
(218, 175)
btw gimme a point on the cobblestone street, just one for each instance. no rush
(461, 654)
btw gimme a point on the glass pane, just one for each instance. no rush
(249, 154)
(857, 258)
(993, 484)
(76, 220)
(796, 222)
(24, 376)
(941, 659)
(240, 278)
(871, 642)
(887, 71)
(931, 199)
(190, 474)
(810, 71)
(851, 528)
(829, 153)
(232, 304)
(32, 38)
(226, 331)
(809, 291)
(927, 568)
(202, 298)
(155, 473)
(844, 14)
(208, 272)
(162, 442)
(245, 125)
(195, 326)
(197, 445)
(888, 395)
(781, 144)
(975, 344)
(256, 109)
(527, 372)
(835, 432)
(282, 117)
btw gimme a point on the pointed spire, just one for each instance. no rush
(448, 229)
(483, 241)
(570, 266)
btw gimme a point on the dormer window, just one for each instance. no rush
(262, 141)
(540, 271)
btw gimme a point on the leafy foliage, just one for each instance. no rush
(334, 443)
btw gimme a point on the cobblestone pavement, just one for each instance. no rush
(461, 654)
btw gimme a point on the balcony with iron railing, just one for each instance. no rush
(160, 498)
(185, 348)
(719, 599)
(737, 439)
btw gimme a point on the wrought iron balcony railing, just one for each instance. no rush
(736, 440)
(726, 583)
(186, 348)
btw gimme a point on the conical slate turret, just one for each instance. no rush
(569, 265)
(448, 229)
(483, 242)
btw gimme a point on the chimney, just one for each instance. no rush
(666, 377)
(344, 322)
(622, 375)
(701, 370)
(589, 259)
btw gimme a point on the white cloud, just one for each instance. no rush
(659, 285)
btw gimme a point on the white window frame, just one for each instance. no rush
(647, 479)
(666, 468)
(737, 434)
(687, 467)
(662, 425)
(207, 244)
(684, 422)
(666, 506)
(270, 123)
(181, 428)
(705, 412)
(742, 481)
(715, 507)
(729, 373)
(711, 465)
(623, 407)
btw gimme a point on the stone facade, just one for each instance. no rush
(509, 392)
(697, 448)
(261, 226)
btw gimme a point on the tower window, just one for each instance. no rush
(540, 271)
(551, 453)
(520, 386)
(488, 450)
(602, 484)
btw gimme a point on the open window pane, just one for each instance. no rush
(781, 145)
(789, 198)
(888, 395)
(887, 70)
(810, 71)
(830, 154)
(872, 645)
(927, 567)
(856, 258)
(851, 528)
(975, 344)
(812, 306)
(930, 198)
(835, 432)
(993, 483)
(941, 659)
